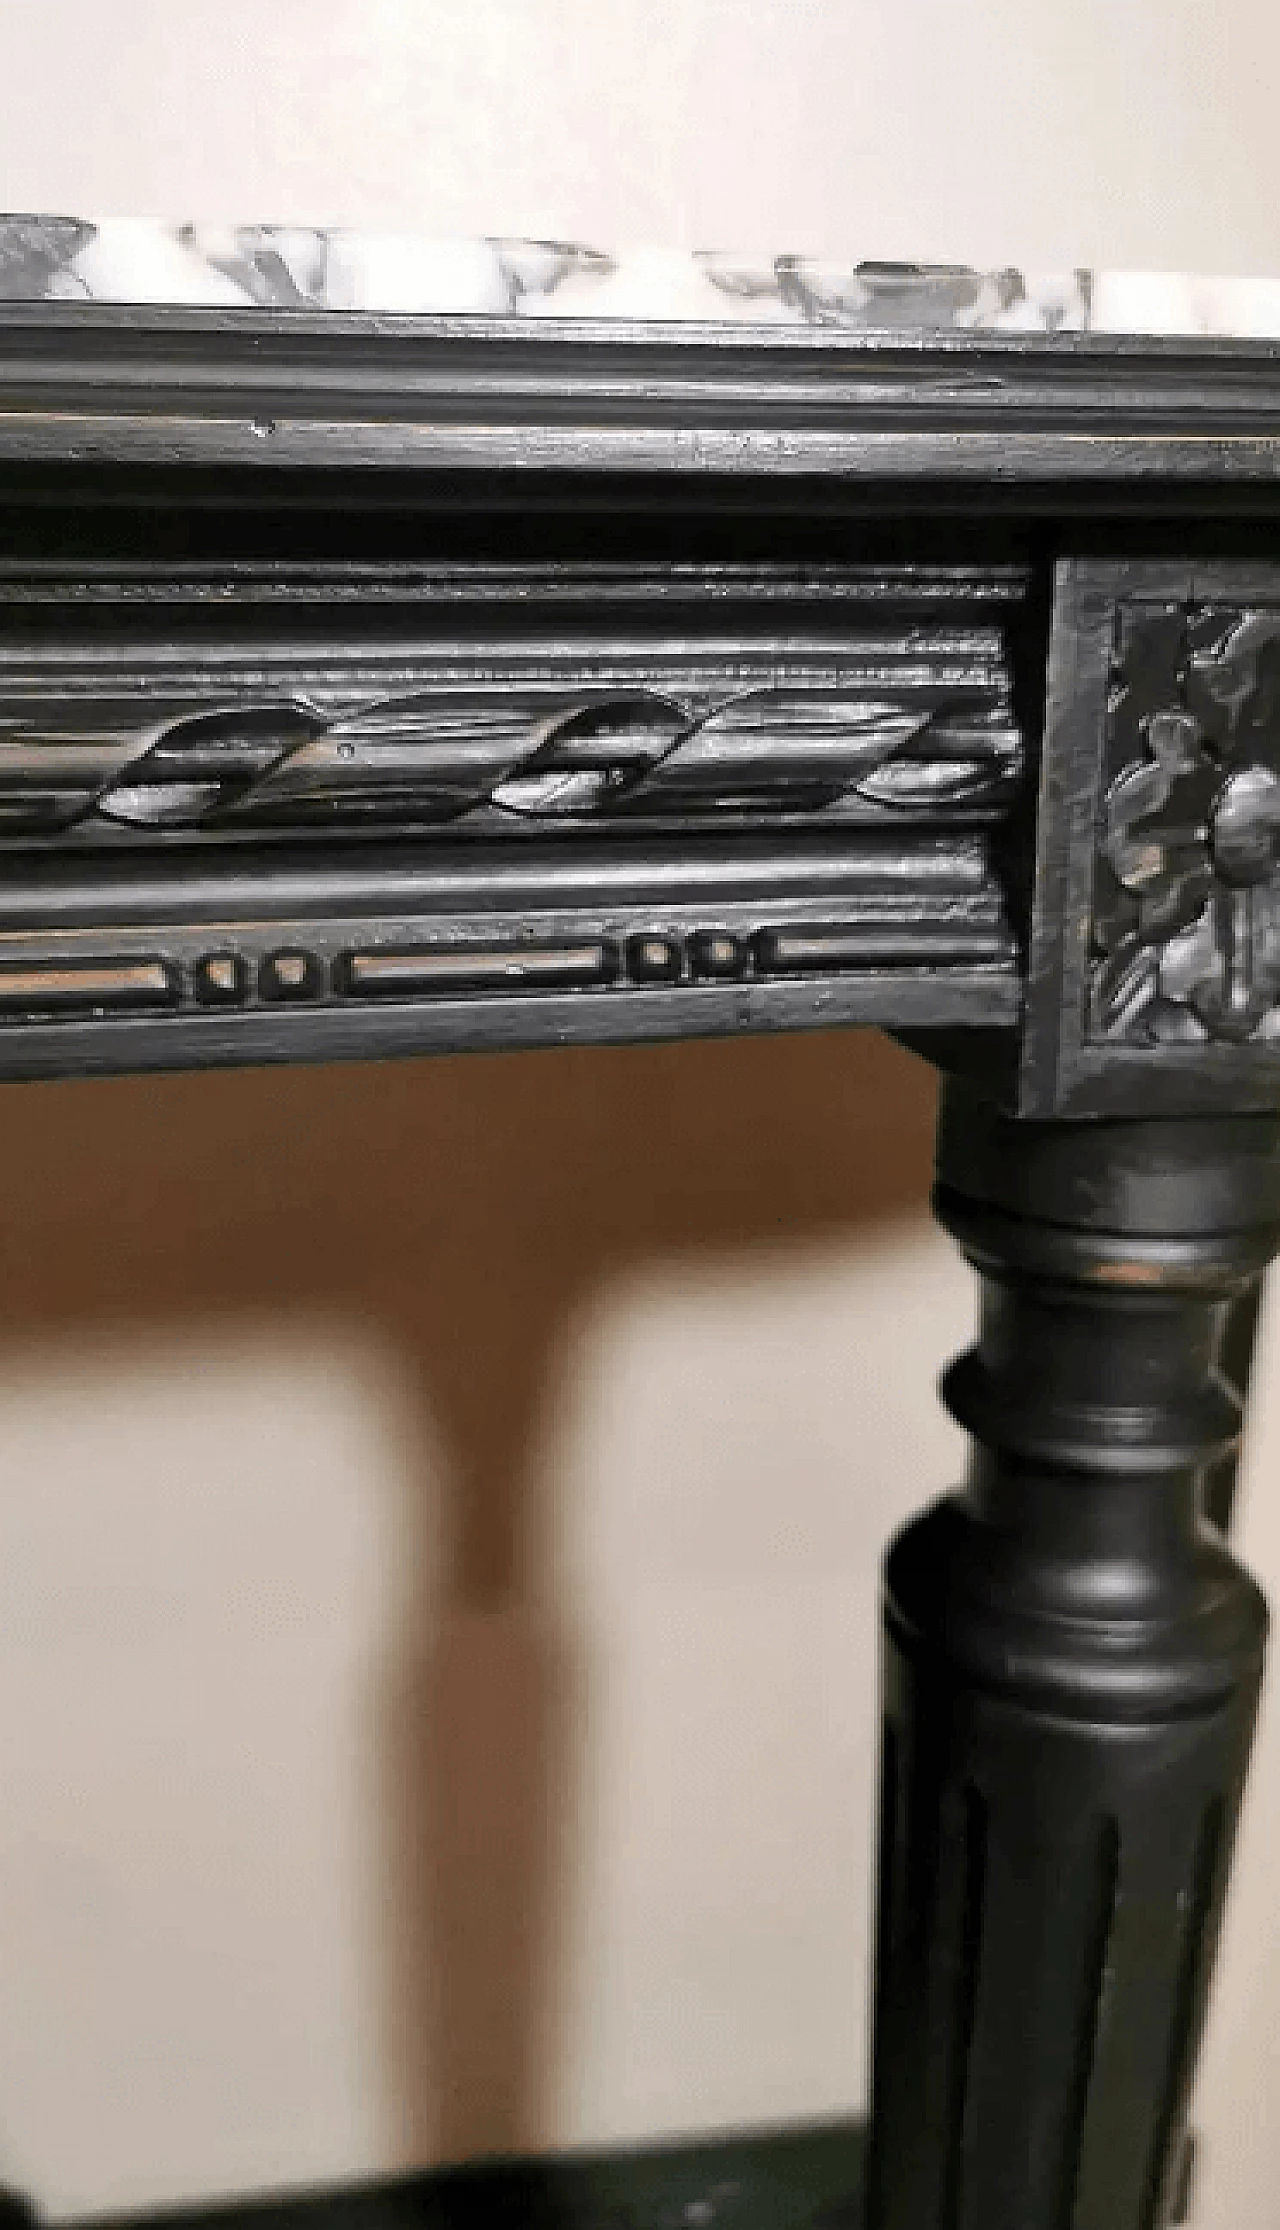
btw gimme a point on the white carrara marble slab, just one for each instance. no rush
(61, 258)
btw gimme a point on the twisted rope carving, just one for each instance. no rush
(449, 755)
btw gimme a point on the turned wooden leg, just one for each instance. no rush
(1072, 1660)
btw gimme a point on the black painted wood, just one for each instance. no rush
(377, 686)
(806, 2178)
(264, 389)
(268, 811)
(1153, 958)
(1072, 1667)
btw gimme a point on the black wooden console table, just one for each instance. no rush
(375, 686)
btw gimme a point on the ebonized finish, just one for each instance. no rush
(1072, 1669)
(269, 812)
(84, 385)
(373, 686)
(1153, 939)
(806, 2178)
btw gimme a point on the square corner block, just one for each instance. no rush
(1153, 962)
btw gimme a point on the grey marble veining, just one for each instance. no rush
(60, 258)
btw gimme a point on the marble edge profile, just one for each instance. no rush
(50, 257)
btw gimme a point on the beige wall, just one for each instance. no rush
(1135, 132)
(439, 1505)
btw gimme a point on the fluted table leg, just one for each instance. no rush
(1072, 1660)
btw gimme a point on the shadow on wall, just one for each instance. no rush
(468, 1209)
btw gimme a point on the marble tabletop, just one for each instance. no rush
(135, 261)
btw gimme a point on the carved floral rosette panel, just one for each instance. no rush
(1186, 914)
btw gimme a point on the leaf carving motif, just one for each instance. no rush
(1186, 929)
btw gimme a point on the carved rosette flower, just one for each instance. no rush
(1188, 936)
